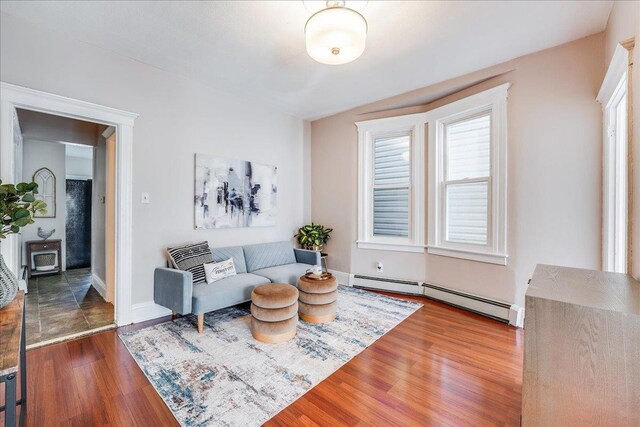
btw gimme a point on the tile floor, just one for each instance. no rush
(64, 304)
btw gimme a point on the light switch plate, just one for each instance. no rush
(146, 197)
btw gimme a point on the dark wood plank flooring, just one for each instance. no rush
(441, 366)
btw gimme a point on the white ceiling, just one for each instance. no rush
(48, 127)
(256, 49)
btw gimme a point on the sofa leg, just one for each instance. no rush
(200, 323)
(174, 315)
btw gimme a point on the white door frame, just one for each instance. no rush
(12, 97)
(618, 77)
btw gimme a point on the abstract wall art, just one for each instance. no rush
(234, 193)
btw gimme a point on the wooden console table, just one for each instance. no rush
(13, 359)
(53, 245)
(581, 349)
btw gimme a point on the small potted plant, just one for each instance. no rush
(17, 206)
(313, 236)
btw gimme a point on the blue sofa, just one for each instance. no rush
(255, 265)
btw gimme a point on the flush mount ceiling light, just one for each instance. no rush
(335, 35)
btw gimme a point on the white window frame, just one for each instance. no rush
(368, 132)
(616, 256)
(495, 251)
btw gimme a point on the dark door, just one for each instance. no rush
(78, 223)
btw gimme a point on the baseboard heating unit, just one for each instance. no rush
(383, 284)
(502, 311)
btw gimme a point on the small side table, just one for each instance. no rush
(317, 300)
(44, 246)
(13, 358)
(323, 261)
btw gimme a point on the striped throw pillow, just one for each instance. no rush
(192, 258)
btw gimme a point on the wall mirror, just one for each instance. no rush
(46, 181)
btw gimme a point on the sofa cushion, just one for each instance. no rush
(318, 310)
(289, 273)
(235, 252)
(312, 286)
(274, 295)
(268, 255)
(274, 328)
(274, 314)
(226, 292)
(215, 271)
(191, 258)
(317, 299)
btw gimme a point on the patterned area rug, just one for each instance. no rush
(225, 377)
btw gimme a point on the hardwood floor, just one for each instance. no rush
(441, 366)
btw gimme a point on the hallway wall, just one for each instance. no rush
(35, 155)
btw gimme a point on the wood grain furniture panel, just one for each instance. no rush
(582, 348)
(13, 359)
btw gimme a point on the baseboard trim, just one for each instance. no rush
(516, 316)
(22, 286)
(498, 310)
(100, 286)
(149, 310)
(343, 278)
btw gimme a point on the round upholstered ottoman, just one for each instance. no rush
(317, 300)
(274, 312)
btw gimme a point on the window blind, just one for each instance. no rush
(467, 212)
(391, 160)
(468, 148)
(391, 186)
(468, 168)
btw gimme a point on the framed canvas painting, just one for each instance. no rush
(234, 193)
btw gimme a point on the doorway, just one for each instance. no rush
(63, 252)
(119, 269)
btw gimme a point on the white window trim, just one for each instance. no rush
(496, 250)
(614, 82)
(413, 125)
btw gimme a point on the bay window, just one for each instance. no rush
(466, 210)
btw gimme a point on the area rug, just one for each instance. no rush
(225, 377)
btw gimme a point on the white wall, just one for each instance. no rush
(178, 118)
(79, 168)
(36, 155)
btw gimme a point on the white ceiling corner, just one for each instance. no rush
(256, 49)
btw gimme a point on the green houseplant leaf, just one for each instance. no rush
(313, 235)
(17, 206)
